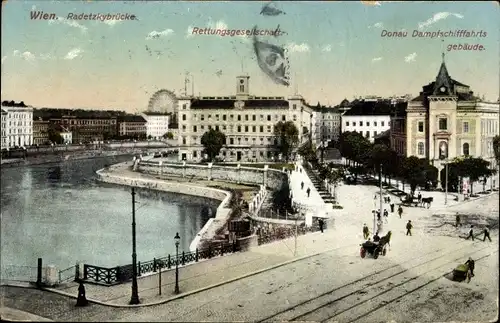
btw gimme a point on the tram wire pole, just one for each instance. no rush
(135, 293)
(381, 201)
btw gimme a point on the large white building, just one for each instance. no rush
(17, 125)
(325, 124)
(156, 124)
(369, 118)
(246, 120)
(446, 121)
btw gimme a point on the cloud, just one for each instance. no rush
(377, 25)
(327, 48)
(217, 25)
(189, 32)
(376, 59)
(298, 48)
(33, 7)
(158, 34)
(74, 53)
(411, 58)
(111, 23)
(71, 23)
(3, 59)
(437, 17)
(27, 56)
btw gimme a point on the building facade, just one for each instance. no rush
(88, 128)
(246, 120)
(156, 124)
(370, 118)
(40, 131)
(325, 124)
(446, 121)
(67, 136)
(17, 122)
(132, 126)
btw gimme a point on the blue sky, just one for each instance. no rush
(335, 50)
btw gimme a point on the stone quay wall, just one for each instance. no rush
(270, 178)
(113, 175)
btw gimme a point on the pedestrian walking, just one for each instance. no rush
(386, 213)
(81, 300)
(457, 221)
(472, 265)
(321, 224)
(308, 192)
(388, 199)
(400, 211)
(409, 226)
(486, 234)
(366, 232)
(392, 207)
(471, 233)
(302, 185)
(378, 215)
(419, 197)
(376, 237)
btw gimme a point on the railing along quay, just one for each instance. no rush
(121, 274)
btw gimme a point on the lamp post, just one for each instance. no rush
(380, 193)
(177, 240)
(442, 157)
(135, 294)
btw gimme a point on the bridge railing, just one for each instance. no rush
(121, 274)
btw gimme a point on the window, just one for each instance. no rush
(465, 149)
(347, 123)
(375, 123)
(367, 123)
(443, 124)
(466, 127)
(295, 107)
(184, 117)
(202, 117)
(246, 128)
(217, 128)
(367, 134)
(246, 117)
(420, 126)
(195, 154)
(361, 123)
(239, 117)
(224, 117)
(294, 117)
(239, 128)
(231, 141)
(254, 117)
(254, 128)
(195, 129)
(217, 117)
(283, 117)
(231, 117)
(382, 123)
(242, 88)
(354, 124)
(268, 128)
(374, 133)
(261, 129)
(184, 106)
(183, 140)
(420, 149)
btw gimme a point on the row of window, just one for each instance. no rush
(232, 153)
(238, 140)
(421, 149)
(231, 128)
(382, 123)
(443, 125)
(21, 115)
(20, 123)
(239, 117)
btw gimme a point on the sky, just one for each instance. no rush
(335, 50)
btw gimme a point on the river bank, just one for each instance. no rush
(66, 156)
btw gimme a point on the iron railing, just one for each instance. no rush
(120, 274)
(68, 274)
(285, 233)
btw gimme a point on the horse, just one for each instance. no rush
(427, 201)
(386, 239)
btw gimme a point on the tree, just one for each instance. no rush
(168, 135)
(150, 137)
(307, 150)
(414, 172)
(287, 136)
(473, 168)
(353, 146)
(213, 141)
(496, 148)
(55, 136)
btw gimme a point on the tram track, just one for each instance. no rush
(310, 306)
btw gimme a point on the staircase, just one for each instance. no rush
(318, 185)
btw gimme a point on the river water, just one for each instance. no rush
(60, 213)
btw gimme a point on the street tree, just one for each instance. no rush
(54, 136)
(307, 150)
(353, 146)
(168, 135)
(473, 168)
(414, 172)
(287, 136)
(213, 141)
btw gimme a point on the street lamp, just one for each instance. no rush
(135, 294)
(442, 157)
(177, 240)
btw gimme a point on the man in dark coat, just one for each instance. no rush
(392, 207)
(308, 192)
(486, 234)
(376, 237)
(400, 211)
(366, 232)
(471, 264)
(321, 223)
(302, 185)
(471, 233)
(457, 221)
(386, 213)
(409, 226)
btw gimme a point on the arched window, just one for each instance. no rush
(420, 148)
(465, 149)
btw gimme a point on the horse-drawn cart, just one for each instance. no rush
(375, 248)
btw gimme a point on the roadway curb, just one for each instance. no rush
(194, 291)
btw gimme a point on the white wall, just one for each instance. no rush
(373, 124)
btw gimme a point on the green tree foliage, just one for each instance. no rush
(413, 171)
(287, 136)
(213, 141)
(55, 136)
(353, 146)
(307, 150)
(471, 167)
(168, 135)
(496, 148)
